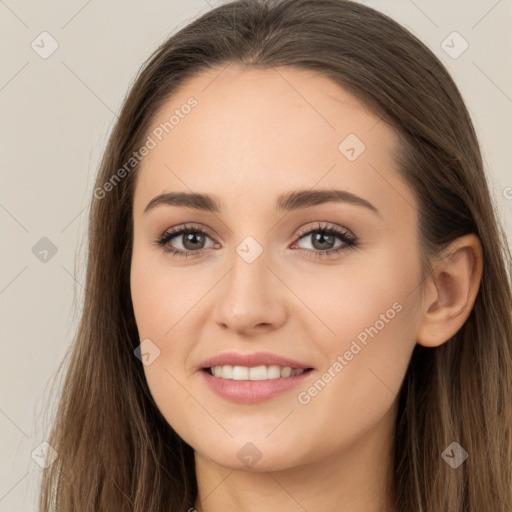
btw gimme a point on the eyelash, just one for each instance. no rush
(349, 241)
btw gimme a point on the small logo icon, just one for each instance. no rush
(147, 352)
(44, 45)
(44, 250)
(249, 455)
(454, 455)
(454, 45)
(44, 455)
(249, 249)
(351, 147)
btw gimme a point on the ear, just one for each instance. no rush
(450, 291)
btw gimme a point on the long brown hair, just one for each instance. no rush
(115, 449)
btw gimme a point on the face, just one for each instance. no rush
(323, 281)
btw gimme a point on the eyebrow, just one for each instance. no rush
(294, 200)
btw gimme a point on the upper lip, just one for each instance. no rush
(255, 359)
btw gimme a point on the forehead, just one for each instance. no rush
(261, 132)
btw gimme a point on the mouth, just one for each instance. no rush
(254, 373)
(254, 384)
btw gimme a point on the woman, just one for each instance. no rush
(341, 335)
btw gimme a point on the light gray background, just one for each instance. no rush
(56, 115)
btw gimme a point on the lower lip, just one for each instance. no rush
(252, 391)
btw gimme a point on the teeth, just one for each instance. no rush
(255, 372)
(286, 371)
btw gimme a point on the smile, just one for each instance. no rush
(262, 372)
(250, 385)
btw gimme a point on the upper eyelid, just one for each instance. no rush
(303, 232)
(329, 226)
(346, 236)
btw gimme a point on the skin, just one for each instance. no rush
(256, 134)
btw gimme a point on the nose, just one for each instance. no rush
(251, 298)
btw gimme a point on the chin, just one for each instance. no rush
(256, 457)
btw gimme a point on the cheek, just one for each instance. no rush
(161, 296)
(164, 301)
(372, 292)
(362, 312)
(160, 304)
(372, 314)
(359, 384)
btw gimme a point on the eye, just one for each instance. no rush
(322, 239)
(191, 239)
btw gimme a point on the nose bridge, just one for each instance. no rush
(250, 294)
(248, 277)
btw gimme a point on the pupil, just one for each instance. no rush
(190, 237)
(321, 238)
(319, 241)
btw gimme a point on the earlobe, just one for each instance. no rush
(451, 290)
